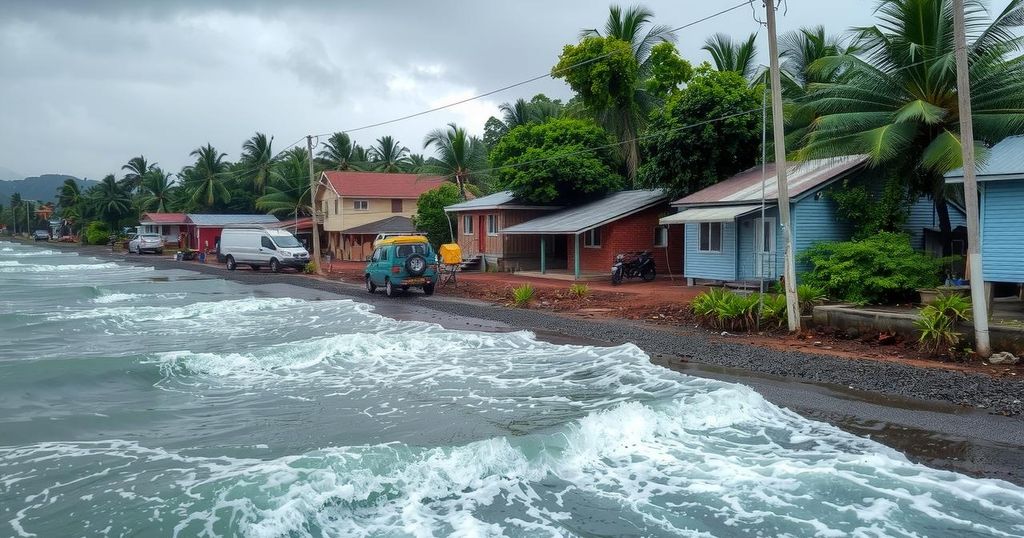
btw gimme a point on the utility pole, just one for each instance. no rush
(789, 261)
(979, 299)
(312, 205)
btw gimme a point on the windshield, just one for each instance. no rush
(286, 241)
(150, 236)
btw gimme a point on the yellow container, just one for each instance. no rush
(451, 254)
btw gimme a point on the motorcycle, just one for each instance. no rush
(633, 265)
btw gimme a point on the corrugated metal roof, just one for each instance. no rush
(503, 200)
(591, 215)
(710, 214)
(380, 184)
(163, 218)
(396, 224)
(1004, 161)
(801, 177)
(226, 220)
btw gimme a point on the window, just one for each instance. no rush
(336, 205)
(764, 240)
(376, 256)
(492, 225)
(661, 236)
(396, 205)
(592, 238)
(404, 251)
(467, 225)
(265, 242)
(710, 237)
(360, 205)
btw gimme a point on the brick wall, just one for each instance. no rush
(632, 233)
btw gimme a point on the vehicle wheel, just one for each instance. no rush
(416, 265)
(428, 289)
(254, 267)
(230, 262)
(370, 286)
(405, 288)
(275, 266)
(389, 290)
(616, 278)
(648, 275)
(159, 252)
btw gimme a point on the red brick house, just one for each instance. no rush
(479, 226)
(586, 238)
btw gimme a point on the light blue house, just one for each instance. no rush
(1001, 211)
(731, 237)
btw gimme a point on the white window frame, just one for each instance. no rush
(467, 224)
(590, 235)
(759, 236)
(661, 236)
(364, 203)
(701, 233)
(492, 225)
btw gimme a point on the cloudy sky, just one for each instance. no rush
(88, 84)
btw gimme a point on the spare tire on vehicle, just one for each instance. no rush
(415, 265)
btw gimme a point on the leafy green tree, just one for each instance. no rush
(387, 155)
(683, 155)
(256, 162)
(340, 153)
(288, 192)
(137, 168)
(110, 201)
(206, 179)
(736, 56)
(430, 216)
(896, 100)
(461, 158)
(16, 205)
(609, 73)
(668, 71)
(537, 110)
(557, 161)
(156, 191)
(70, 200)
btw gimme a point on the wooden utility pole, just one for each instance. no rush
(979, 299)
(312, 205)
(779, 136)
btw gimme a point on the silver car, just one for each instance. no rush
(146, 243)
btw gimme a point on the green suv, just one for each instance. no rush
(402, 262)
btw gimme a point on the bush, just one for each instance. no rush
(522, 295)
(881, 269)
(579, 291)
(309, 269)
(720, 308)
(96, 233)
(808, 297)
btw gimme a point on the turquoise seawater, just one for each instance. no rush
(137, 402)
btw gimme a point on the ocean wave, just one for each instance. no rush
(110, 298)
(19, 267)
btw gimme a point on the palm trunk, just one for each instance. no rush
(462, 186)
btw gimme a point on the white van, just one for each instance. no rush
(257, 247)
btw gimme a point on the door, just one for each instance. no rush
(267, 249)
(481, 233)
(764, 248)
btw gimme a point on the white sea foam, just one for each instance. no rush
(110, 298)
(19, 267)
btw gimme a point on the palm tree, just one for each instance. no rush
(799, 50)
(737, 56)
(16, 203)
(137, 168)
(70, 199)
(205, 179)
(388, 155)
(288, 191)
(340, 153)
(895, 98)
(459, 157)
(110, 200)
(256, 161)
(416, 163)
(627, 118)
(157, 191)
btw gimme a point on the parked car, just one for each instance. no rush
(41, 235)
(258, 247)
(400, 263)
(146, 243)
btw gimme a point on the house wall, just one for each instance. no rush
(340, 214)
(747, 259)
(470, 244)
(206, 238)
(814, 221)
(632, 233)
(922, 215)
(169, 232)
(711, 265)
(1002, 230)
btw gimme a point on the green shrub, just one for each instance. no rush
(773, 310)
(522, 295)
(808, 297)
(954, 306)
(720, 308)
(96, 233)
(938, 322)
(579, 291)
(880, 269)
(309, 269)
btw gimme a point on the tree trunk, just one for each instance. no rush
(462, 186)
(945, 228)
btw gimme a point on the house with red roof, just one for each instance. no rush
(355, 204)
(170, 225)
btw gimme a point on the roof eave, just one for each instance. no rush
(588, 228)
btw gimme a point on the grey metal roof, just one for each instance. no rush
(802, 177)
(1004, 161)
(396, 224)
(591, 215)
(206, 219)
(710, 214)
(503, 199)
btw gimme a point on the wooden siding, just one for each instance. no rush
(1002, 230)
(710, 265)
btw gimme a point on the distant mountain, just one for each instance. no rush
(7, 173)
(43, 188)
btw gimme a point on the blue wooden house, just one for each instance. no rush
(1001, 212)
(731, 237)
